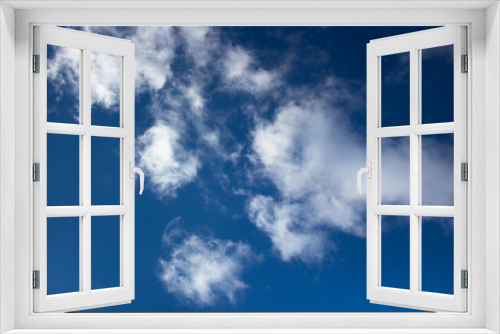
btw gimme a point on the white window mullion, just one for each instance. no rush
(414, 173)
(82, 256)
(85, 165)
(419, 134)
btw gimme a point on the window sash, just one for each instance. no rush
(414, 298)
(86, 297)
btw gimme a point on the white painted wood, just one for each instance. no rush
(86, 297)
(413, 43)
(75, 129)
(470, 322)
(248, 4)
(80, 211)
(86, 167)
(419, 210)
(257, 331)
(414, 169)
(7, 167)
(492, 187)
(418, 129)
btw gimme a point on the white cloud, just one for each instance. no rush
(199, 43)
(194, 96)
(395, 167)
(311, 154)
(65, 67)
(241, 72)
(105, 80)
(202, 269)
(63, 72)
(312, 159)
(178, 100)
(166, 162)
(154, 52)
(437, 171)
(282, 223)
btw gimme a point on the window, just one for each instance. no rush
(70, 215)
(413, 134)
(482, 234)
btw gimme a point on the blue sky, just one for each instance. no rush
(250, 139)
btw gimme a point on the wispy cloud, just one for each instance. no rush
(285, 225)
(63, 74)
(154, 52)
(242, 72)
(167, 163)
(201, 43)
(203, 270)
(105, 81)
(309, 154)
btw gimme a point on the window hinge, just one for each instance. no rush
(36, 63)
(465, 279)
(464, 167)
(36, 172)
(36, 279)
(465, 63)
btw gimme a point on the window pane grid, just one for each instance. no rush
(78, 123)
(85, 211)
(415, 210)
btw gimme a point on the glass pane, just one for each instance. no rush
(437, 84)
(437, 170)
(63, 84)
(395, 171)
(105, 252)
(437, 254)
(105, 89)
(396, 251)
(63, 255)
(395, 90)
(105, 171)
(63, 170)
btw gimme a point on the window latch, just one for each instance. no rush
(368, 171)
(141, 175)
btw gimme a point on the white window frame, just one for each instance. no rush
(482, 19)
(413, 43)
(124, 50)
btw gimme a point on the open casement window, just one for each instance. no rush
(408, 90)
(76, 224)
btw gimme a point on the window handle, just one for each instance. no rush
(141, 175)
(368, 171)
